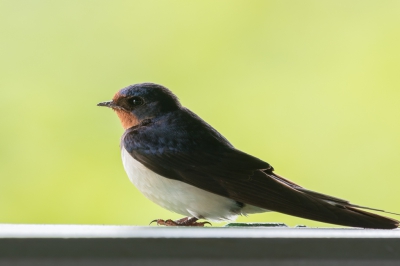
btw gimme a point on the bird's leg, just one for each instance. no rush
(186, 221)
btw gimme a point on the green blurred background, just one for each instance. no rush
(312, 87)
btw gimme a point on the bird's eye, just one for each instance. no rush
(136, 101)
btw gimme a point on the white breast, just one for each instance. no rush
(179, 197)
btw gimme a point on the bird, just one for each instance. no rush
(180, 162)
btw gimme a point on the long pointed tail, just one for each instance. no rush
(272, 192)
(345, 213)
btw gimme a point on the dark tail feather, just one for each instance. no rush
(266, 191)
(379, 221)
(347, 214)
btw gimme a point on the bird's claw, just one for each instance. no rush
(168, 222)
(182, 222)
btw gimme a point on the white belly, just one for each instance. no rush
(180, 197)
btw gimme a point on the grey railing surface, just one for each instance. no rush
(136, 245)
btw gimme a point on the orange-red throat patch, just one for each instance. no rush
(127, 119)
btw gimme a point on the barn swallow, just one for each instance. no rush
(183, 164)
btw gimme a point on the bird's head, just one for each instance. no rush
(142, 101)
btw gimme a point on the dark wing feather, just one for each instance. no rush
(204, 159)
(324, 196)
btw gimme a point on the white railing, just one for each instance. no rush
(134, 245)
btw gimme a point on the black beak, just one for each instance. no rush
(109, 104)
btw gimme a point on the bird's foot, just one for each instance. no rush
(187, 221)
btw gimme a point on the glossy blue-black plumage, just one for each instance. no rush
(179, 145)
